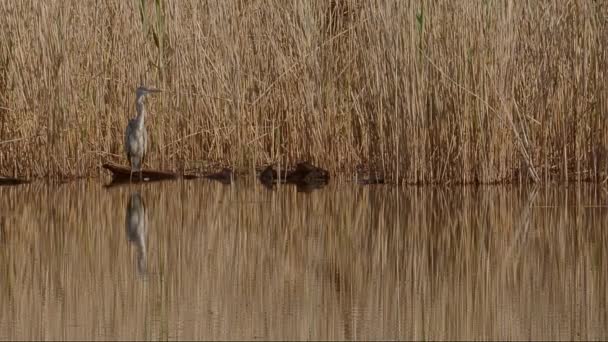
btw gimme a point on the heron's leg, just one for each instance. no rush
(131, 176)
(140, 175)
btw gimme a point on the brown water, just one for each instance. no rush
(343, 262)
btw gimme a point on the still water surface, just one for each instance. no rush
(202, 260)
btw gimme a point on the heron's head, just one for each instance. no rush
(143, 91)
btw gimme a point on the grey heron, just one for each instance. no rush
(136, 222)
(136, 135)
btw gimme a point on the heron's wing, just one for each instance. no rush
(128, 132)
(145, 147)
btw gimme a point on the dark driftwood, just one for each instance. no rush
(12, 181)
(225, 176)
(371, 179)
(123, 173)
(306, 176)
(270, 176)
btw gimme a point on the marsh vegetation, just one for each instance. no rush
(424, 92)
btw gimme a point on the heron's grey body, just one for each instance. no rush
(136, 225)
(136, 143)
(136, 135)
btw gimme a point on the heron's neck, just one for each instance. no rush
(141, 111)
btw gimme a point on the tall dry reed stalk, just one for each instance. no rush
(441, 91)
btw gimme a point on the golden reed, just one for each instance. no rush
(441, 91)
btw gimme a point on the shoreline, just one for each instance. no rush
(339, 177)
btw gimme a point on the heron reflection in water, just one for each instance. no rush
(136, 135)
(136, 223)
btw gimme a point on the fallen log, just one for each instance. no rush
(123, 174)
(12, 181)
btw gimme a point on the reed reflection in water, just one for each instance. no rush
(342, 262)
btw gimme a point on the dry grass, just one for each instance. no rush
(440, 91)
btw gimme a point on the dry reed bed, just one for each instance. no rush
(441, 91)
